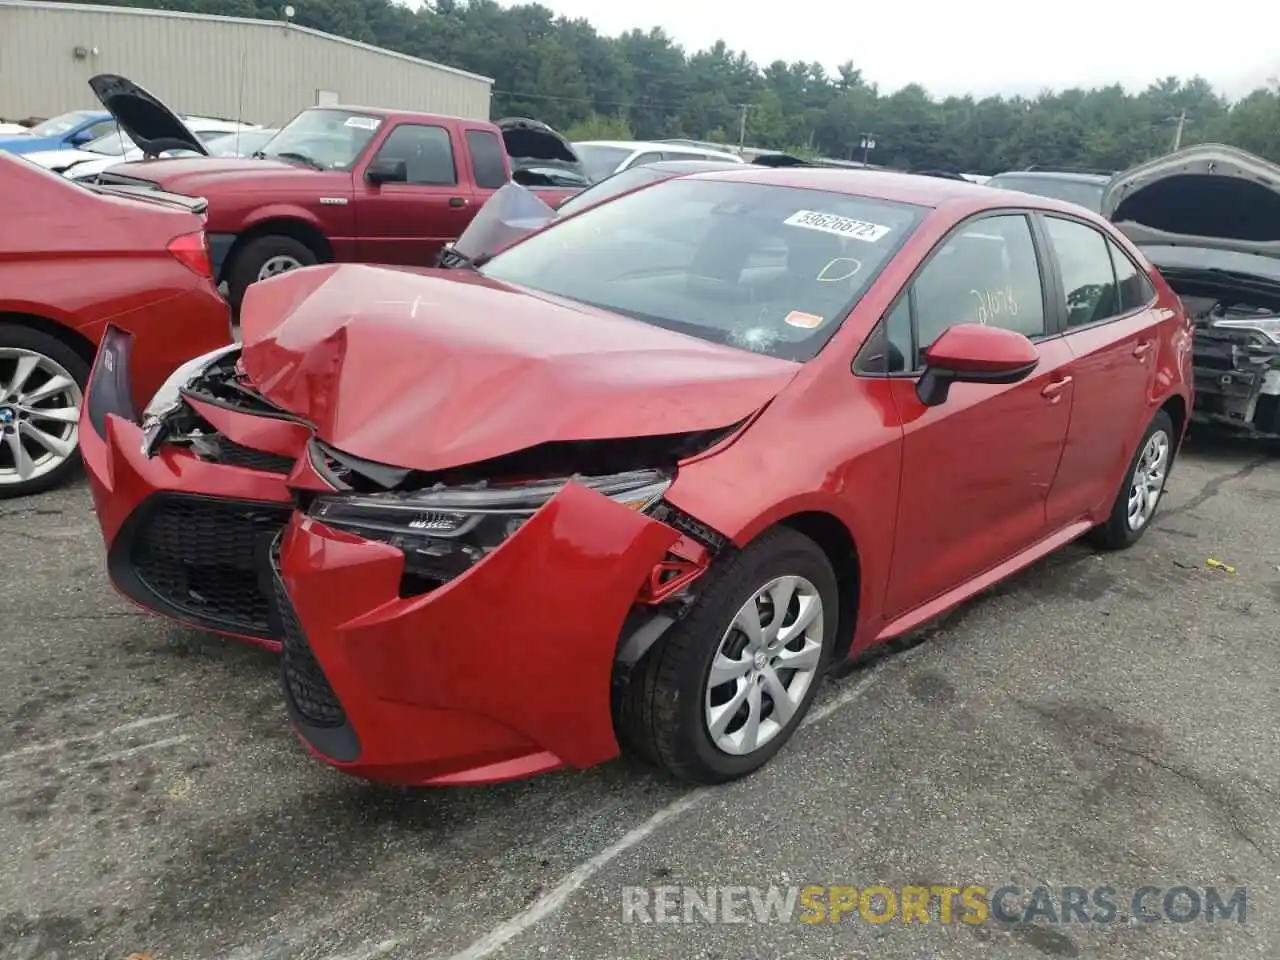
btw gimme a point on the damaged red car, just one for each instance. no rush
(644, 475)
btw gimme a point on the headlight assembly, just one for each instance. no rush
(444, 530)
(1269, 327)
(166, 398)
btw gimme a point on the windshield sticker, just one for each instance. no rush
(840, 226)
(994, 304)
(362, 123)
(841, 268)
(805, 321)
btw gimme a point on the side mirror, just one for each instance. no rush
(974, 353)
(385, 170)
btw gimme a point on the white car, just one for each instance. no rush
(8, 129)
(106, 151)
(604, 158)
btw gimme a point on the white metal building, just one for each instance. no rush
(258, 70)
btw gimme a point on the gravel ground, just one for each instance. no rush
(1097, 720)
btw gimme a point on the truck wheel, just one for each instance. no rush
(263, 258)
(41, 392)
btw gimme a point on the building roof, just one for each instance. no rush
(212, 18)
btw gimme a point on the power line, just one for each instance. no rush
(593, 100)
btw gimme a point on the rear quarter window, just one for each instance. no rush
(487, 159)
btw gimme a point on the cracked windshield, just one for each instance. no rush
(494, 480)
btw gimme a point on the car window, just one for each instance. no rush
(1086, 193)
(329, 139)
(1135, 290)
(487, 154)
(640, 161)
(761, 267)
(57, 126)
(114, 144)
(96, 130)
(986, 272)
(426, 150)
(607, 189)
(1088, 278)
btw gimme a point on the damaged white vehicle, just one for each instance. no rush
(1208, 217)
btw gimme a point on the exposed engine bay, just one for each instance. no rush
(1237, 365)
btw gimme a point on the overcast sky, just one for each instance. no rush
(993, 46)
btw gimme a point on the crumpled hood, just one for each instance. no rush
(1209, 195)
(432, 370)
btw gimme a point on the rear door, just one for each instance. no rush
(977, 469)
(409, 222)
(1106, 307)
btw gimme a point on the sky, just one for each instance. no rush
(995, 46)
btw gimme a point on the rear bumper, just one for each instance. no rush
(504, 671)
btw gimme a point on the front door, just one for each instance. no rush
(976, 469)
(1110, 326)
(408, 223)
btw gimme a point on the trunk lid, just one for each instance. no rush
(151, 125)
(431, 370)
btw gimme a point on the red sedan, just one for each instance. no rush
(74, 259)
(647, 473)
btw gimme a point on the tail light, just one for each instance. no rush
(192, 251)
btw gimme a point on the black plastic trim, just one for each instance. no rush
(109, 388)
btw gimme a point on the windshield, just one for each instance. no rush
(111, 145)
(600, 161)
(1086, 193)
(325, 139)
(57, 126)
(242, 145)
(609, 188)
(764, 268)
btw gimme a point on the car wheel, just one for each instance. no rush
(42, 384)
(728, 685)
(263, 258)
(1142, 489)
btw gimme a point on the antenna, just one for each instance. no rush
(244, 67)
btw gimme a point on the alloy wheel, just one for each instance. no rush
(274, 266)
(1147, 483)
(765, 663)
(39, 415)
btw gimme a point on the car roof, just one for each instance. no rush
(1058, 175)
(688, 166)
(960, 195)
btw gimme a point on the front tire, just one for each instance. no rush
(729, 684)
(1142, 490)
(263, 258)
(42, 382)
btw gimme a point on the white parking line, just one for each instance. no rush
(85, 738)
(551, 901)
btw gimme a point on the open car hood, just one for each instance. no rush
(1209, 195)
(432, 370)
(151, 125)
(508, 215)
(532, 144)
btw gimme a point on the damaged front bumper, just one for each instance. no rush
(504, 670)
(1237, 380)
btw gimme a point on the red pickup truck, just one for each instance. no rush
(339, 183)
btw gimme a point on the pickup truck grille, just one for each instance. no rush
(107, 178)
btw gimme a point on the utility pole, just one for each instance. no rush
(742, 126)
(1177, 136)
(868, 144)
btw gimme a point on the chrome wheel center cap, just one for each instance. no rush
(761, 660)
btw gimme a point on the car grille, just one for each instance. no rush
(304, 680)
(204, 559)
(216, 448)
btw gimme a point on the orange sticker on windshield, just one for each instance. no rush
(805, 321)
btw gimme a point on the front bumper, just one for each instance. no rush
(504, 671)
(1237, 382)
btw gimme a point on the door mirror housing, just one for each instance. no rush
(974, 353)
(385, 170)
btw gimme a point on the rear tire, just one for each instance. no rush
(666, 711)
(262, 257)
(44, 361)
(1141, 490)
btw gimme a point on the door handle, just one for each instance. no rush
(1142, 349)
(457, 201)
(1054, 389)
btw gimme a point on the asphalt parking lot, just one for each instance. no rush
(1098, 720)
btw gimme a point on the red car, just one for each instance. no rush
(646, 473)
(74, 259)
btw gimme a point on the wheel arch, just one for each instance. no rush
(1176, 407)
(284, 225)
(836, 540)
(85, 348)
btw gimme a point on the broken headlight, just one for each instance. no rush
(445, 530)
(167, 398)
(1269, 327)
